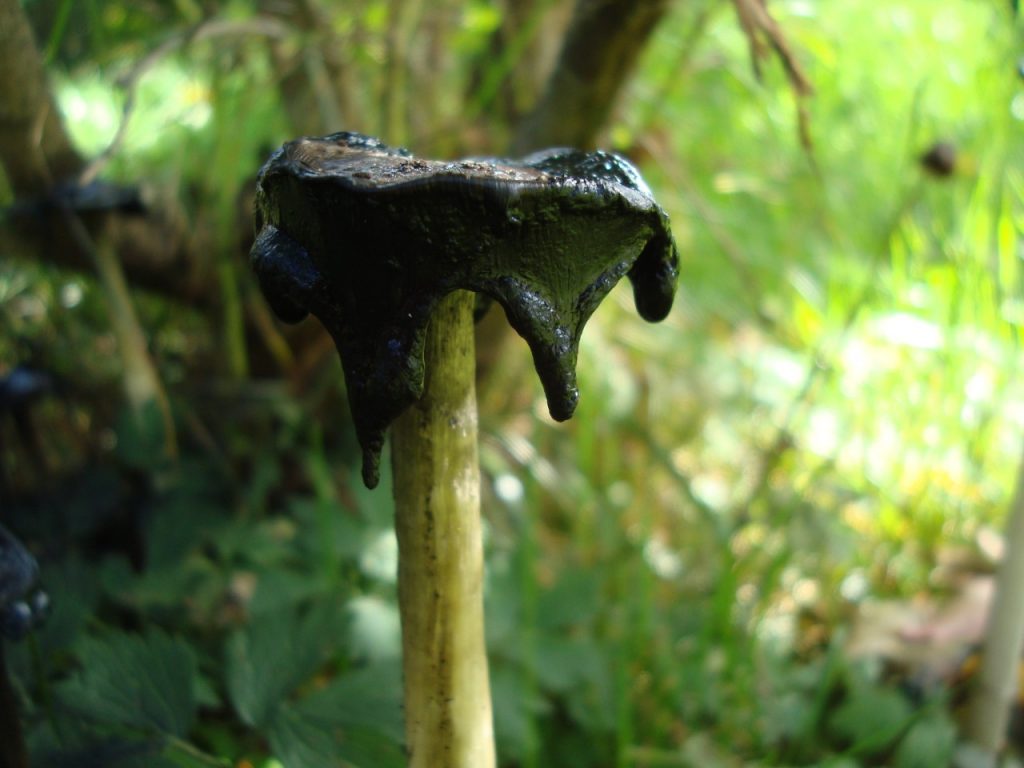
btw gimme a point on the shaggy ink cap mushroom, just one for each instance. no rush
(368, 239)
(21, 605)
(22, 385)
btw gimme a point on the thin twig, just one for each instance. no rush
(759, 26)
(712, 517)
(38, 127)
(677, 72)
(763, 33)
(182, 746)
(731, 249)
(141, 381)
(321, 58)
(206, 30)
(819, 367)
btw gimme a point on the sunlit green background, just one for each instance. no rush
(830, 416)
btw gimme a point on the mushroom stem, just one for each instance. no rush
(440, 582)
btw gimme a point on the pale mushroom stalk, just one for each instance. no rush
(384, 249)
(995, 692)
(441, 558)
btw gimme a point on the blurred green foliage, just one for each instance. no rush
(831, 409)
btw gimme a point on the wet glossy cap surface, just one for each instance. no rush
(20, 607)
(368, 238)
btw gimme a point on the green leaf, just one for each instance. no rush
(300, 741)
(354, 722)
(574, 601)
(563, 664)
(265, 476)
(327, 533)
(78, 747)
(157, 588)
(109, 753)
(176, 526)
(503, 599)
(265, 543)
(279, 650)
(593, 705)
(181, 755)
(369, 697)
(517, 709)
(928, 743)
(137, 681)
(871, 717)
(280, 589)
(141, 437)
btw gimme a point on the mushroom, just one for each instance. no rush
(21, 607)
(20, 389)
(386, 250)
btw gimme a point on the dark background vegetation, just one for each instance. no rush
(766, 537)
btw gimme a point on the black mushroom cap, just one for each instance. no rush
(21, 605)
(21, 386)
(369, 238)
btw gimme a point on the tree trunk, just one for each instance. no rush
(34, 149)
(441, 569)
(602, 46)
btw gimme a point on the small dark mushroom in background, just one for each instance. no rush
(20, 389)
(22, 606)
(95, 197)
(387, 251)
(940, 159)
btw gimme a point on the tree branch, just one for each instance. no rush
(206, 30)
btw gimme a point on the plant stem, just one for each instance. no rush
(996, 686)
(142, 385)
(12, 743)
(440, 581)
(141, 381)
